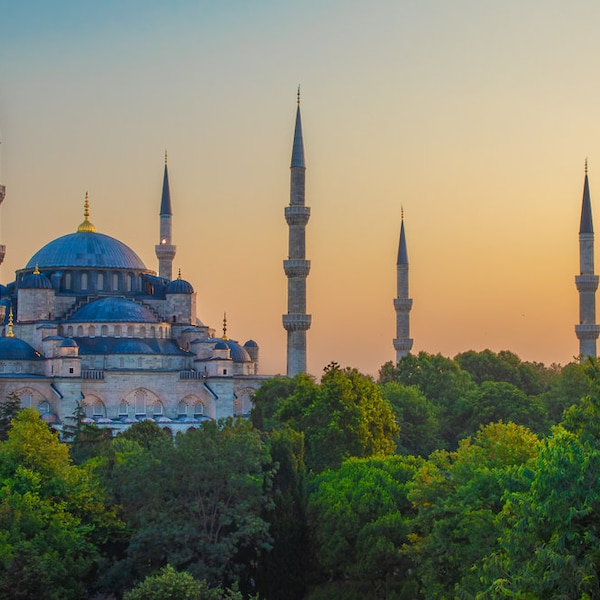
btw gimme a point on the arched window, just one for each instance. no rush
(131, 283)
(130, 331)
(100, 281)
(123, 409)
(140, 402)
(142, 331)
(80, 331)
(152, 331)
(121, 362)
(43, 407)
(70, 331)
(140, 362)
(26, 399)
(198, 409)
(156, 409)
(84, 281)
(104, 330)
(115, 282)
(91, 331)
(117, 331)
(67, 281)
(98, 409)
(182, 409)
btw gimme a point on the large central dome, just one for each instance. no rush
(86, 249)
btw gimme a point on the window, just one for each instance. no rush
(115, 282)
(117, 331)
(67, 281)
(44, 407)
(121, 363)
(84, 281)
(98, 409)
(80, 331)
(182, 409)
(100, 281)
(104, 330)
(198, 409)
(91, 331)
(224, 371)
(123, 409)
(140, 402)
(71, 370)
(26, 399)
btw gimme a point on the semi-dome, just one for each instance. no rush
(179, 286)
(86, 249)
(237, 352)
(12, 348)
(113, 310)
(35, 281)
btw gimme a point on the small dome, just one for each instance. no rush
(179, 286)
(12, 348)
(113, 310)
(35, 281)
(68, 343)
(250, 344)
(238, 353)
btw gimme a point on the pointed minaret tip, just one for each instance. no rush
(165, 201)
(225, 326)
(586, 224)
(298, 146)
(166, 156)
(402, 252)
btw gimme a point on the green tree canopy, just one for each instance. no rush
(53, 515)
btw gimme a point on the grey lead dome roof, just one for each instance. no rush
(86, 249)
(113, 310)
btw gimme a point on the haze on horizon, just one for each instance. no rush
(475, 117)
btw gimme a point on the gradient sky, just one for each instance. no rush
(475, 116)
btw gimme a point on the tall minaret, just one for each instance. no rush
(165, 251)
(587, 282)
(402, 303)
(296, 267)
(2, 196)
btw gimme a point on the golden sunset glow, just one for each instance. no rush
(476, 117)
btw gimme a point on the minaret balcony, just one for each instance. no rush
(296, 322)
(296, 267)
(2, 193)
(297, 215)
(587, 331)
(403, 345)
(165, 251)
(403, 304)
(586, 283)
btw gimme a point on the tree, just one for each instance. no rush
(169, 584)
(550, 531)
(568, 387)
(416, 418)
(345, 415)
(53, 516)
(498, 401)
(458, 496)
(360, 519)
(441, 381)
(8, 409)
(195, 504)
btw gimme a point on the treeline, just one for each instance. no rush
(476, 477)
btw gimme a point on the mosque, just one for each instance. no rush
(87, 324)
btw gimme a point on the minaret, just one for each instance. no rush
(2, 196)
(296, 267)
(587, 282)
(165, 251)
(402, 303)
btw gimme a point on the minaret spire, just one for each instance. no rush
(402, 303)
(296, 322)
(165, 250)
(587, 330)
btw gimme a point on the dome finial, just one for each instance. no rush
(86, 226)
(402, 212)
(36, 271)
(225, 326)
(166, 157)
(298, 95)
(586, 165)
(10, 323)
(179, 274)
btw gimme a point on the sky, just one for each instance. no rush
(476, 117)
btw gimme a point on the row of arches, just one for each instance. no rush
(116, 330)
(101, 281)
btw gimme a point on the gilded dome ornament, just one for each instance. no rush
(86, 226)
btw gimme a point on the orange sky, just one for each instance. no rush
(476, 117)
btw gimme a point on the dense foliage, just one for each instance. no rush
(468, 478)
